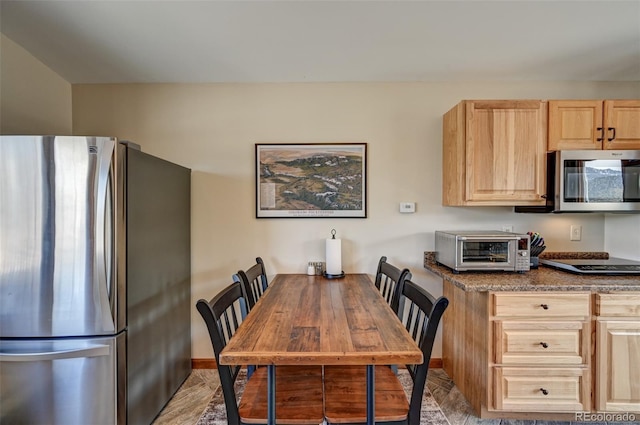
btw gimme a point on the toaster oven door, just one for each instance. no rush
(486, 254)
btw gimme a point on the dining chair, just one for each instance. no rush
(390, 281)
(345, 386)
(298, 388)
(254, 282)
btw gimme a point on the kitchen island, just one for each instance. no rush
(544, 344)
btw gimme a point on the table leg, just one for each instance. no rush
(271, 394)
(371, 399)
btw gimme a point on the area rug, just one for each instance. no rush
(215, 413)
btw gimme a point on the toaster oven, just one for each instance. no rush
(482, 250)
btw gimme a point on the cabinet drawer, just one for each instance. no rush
(542, 389)
(541, 305)
(618, 305)
(542, 343)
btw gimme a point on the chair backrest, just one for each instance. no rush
(254, 282)
(221, 315)
(390, 281)
(423, 314)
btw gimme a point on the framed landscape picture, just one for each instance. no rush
(311, 180)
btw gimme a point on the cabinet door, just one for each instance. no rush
(575, 124)
(618, 370)
(622, 124)
(505, 152)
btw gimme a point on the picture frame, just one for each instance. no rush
(311, 180)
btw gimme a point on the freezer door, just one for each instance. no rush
(59, 382)
(57, 250)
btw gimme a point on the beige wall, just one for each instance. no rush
(212, 129)
(33, 98)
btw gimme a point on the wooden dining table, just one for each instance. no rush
(313, 320)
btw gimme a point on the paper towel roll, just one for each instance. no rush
(334, 256)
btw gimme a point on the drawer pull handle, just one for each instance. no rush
(545, 306)
(544, 345)
(545, 392)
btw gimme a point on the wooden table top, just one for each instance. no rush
(311, 320)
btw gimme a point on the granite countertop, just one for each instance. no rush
(540, 279)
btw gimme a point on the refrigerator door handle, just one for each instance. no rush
(93, 351)
(109, 239)
(119, 241)
(104, 230)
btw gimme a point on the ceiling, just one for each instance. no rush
(159, 41)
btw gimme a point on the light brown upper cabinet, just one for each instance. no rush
(594, 124)
(494, 153)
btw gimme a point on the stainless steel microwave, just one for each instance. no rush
(482, 250)
(597, 181)
(584, 181)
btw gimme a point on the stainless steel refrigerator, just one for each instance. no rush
(94, 281)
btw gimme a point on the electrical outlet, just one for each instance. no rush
(507, 228)
(576, 232)
(407, 207)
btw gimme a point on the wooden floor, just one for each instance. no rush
(186, 407)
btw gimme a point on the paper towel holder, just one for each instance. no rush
(341, 274)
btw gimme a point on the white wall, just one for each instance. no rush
(622, 235)
(33, 98)
(212, 129)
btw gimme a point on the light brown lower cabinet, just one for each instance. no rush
(543, 355)
(541, 352)
(618, 352)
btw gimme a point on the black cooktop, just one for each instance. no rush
(612, 266)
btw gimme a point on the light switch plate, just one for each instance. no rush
(576, 232)
(407, 207)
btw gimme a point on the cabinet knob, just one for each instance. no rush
(613, 136)
(545, 392)
(544, 344)
(601, 138)
(545, 306)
